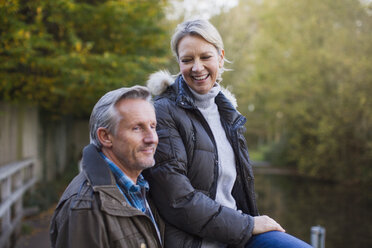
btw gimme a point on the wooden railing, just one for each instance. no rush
(15, 179)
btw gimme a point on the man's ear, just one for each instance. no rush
(104, 137)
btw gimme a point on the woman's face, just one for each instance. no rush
(199, 63)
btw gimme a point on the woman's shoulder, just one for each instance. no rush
(159, 82)
(165, 102)
(160, 85)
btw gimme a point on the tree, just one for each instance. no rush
(63, 54)
(305, 67)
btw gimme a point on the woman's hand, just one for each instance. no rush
(264, 224)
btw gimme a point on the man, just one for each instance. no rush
(106, 205)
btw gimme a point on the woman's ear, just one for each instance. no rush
(221, 60)
(104, 137)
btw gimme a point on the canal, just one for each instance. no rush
(298, 203)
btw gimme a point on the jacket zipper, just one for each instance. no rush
(213, 188)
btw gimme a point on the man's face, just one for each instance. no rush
(135, 140)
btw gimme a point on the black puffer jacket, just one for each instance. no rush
(184, 180)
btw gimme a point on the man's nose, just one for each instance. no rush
(151, 136)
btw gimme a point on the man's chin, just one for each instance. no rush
(147, 164)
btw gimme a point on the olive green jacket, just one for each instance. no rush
(92, 212)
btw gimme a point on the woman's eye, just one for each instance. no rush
(185, 60)
(206, 57)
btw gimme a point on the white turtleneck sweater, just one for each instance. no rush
(227, 169)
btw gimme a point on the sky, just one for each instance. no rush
(199, 8)
(207, 8)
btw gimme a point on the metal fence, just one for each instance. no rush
(15, 179)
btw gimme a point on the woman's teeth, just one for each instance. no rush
(201, 77)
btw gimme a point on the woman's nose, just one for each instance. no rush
(197, 66)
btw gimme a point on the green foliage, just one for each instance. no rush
(64, 54)
(305, 68)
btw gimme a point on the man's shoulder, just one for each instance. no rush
(78, 194)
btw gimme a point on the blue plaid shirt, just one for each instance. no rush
(135, 194)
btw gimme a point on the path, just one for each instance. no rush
(39, 235)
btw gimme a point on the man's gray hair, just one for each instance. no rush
(202, 28)
(104, 113)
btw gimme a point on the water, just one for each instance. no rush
(298, 203)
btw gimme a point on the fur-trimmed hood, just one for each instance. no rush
(160, 80)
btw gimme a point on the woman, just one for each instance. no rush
(202, 183)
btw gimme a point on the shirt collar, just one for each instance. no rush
(123, 180)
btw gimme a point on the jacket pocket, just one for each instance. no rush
(125, 234)
(130, 241)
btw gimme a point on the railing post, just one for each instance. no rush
(18, 205)
(318, 237)
(6, 186)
